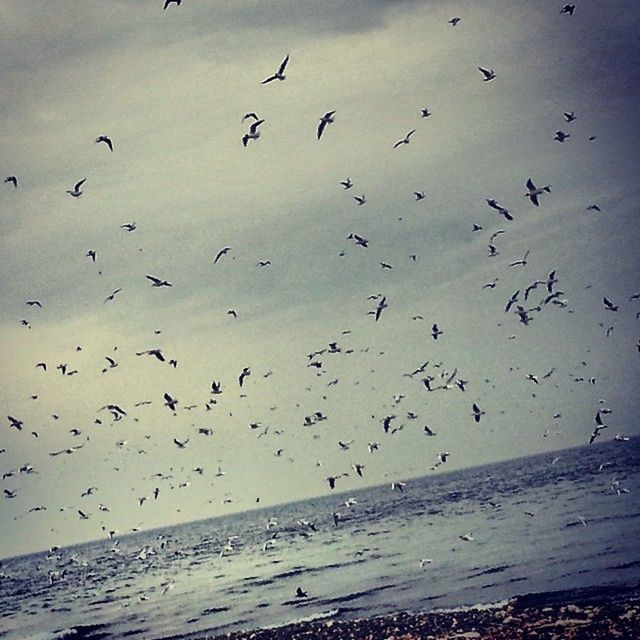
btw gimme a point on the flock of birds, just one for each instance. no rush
(433, 376)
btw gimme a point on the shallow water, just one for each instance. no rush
(536, 527)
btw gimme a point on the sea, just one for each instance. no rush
(556, 523)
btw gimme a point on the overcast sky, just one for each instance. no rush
(170, 89)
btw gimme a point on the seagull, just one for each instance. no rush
(435, 332)
(569, 116)
(522, 262)
(398, 486)
(512, 300)
(568, 9)
(170, 402)
(156, 353)
(488, 74)
(300, 593)
(157, 282)
(428, 431)
(424, 561)
(106, 140)
(467, 537)
(76, 192)
(326, 119)
(129, 226)
(493, 250)
(533, 191)
(373, 446)
(245, 372)
(347, 184)
(561, 136)
(221, 253)
(454, 21)
(360, 199)
(35, 303)
(404, 140)
(253, 134)
(476, 227)
(279, 74)
(594, 207)
(477, 412)
(251, 114)
(91, 254)
(15, 423)
(420, 195)
(425, 113)
(13, 180)
(382, 304)
(179, 444)
(168, 2)
(500, 209)
(609, 305)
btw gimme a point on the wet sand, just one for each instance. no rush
(518, 619)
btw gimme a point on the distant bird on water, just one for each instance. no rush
(279, 74)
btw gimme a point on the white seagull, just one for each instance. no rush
(279, 74)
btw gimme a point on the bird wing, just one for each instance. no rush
(530, 185)
(254, 127)
(283, 64)
(153, 279)
(534, 199)
(321, 126)
(79, 184)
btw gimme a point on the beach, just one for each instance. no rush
(512, 621)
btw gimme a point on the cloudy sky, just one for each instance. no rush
(170, 89)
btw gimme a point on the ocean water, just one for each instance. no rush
(538, 525)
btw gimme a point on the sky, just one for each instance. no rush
(170, 89)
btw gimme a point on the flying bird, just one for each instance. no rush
(170, 402)
(477, 412)
(435, 331)
(245, 372)
(505, 213)
(129, 226)
(533, 192)
(561, 136)
(454, 21)
(404, 140)
(347, 184)
(251, 114)
(106, 140)
(522, 261)
(488, 74)
(13, 180)
(91, 254)
(253, 133)
(279, 74)
(609, 305)
(425, 113)
(326, 119)
(569, 116)
(77, 192)
(568, 9)
(168, 2)
(157, 282)
(221, 253)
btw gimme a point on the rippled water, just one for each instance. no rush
(537, 526)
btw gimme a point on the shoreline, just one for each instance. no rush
(532, 616)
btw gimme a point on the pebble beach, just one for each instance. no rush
(512, 621)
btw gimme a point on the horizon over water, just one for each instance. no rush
(537, 526)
